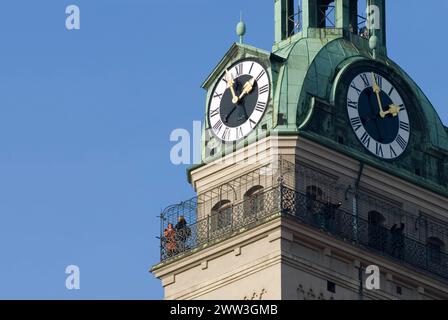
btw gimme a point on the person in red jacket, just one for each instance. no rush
(170, 240)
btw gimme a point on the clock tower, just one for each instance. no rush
(321, 161)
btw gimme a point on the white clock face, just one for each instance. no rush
(378, 115)
(239, 100)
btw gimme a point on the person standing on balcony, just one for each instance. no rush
(182, 232)
(330, 215)
(170, 240)
(398, 241)
(314, 206)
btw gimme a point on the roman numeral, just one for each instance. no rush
(252, 65)
(391, 91)
(379, 81)
(356, 123)
(214, 113)
(262, 73)
(401, 142)
(252, 123)
(218, 126)
(365, 139)
(393, 154)
(226, 134)
(218, 95)
(405, 126)
(379, 150)
(239, 133)
(239, 69)
(260, 106)
(365, 79)
(356, 88)
(402, 107)
(353, 104)
(263, 89)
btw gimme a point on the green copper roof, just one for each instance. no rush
(236, 51)
(311, 68)
(307, 69)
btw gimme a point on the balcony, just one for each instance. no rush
(414, 241)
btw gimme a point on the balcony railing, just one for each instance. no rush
(219, 225)
(326, 217)
(388, 242)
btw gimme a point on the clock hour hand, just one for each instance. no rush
(394, 110)
(230, 85)
(247, 88)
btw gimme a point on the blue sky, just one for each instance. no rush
(85, 120)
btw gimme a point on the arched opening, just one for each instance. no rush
(314, 196)
(314, 193)
(376, 230)
(253, 201)
(376, 218)
(315, 206)
(221, 215)
(397, 242)
(435, 248)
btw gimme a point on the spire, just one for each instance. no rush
(241, 28)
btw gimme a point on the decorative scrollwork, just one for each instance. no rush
(256, 295)
(309, 294)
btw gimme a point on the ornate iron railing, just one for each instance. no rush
(392, 243)
(328, 217)
(219, 224)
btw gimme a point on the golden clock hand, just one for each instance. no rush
(247, 88)
(230, 84)
(394, 110)
(377, 90)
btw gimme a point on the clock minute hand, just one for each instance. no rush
(230, 113)
(377, 90)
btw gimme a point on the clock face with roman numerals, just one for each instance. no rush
(378, 115)
(239, 100)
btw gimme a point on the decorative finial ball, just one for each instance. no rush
(373, 42)
(241, 29)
